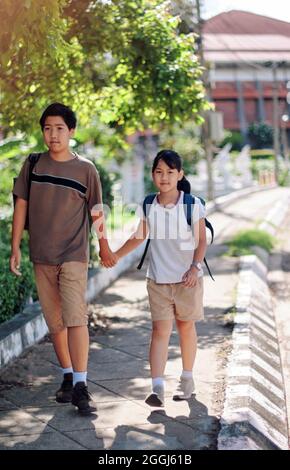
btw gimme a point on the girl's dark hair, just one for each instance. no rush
(59, 109)
(174, 161)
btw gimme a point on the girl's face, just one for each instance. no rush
(166, 178)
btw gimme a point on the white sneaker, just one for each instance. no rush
(185, 389)
(156, 398)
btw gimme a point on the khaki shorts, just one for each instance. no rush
(169, 301)
(61, 290)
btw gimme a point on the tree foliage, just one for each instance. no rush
(260, 135)
(123, 60)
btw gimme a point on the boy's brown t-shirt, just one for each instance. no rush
(60, 195)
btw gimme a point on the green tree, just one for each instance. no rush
(260, 135)
(123, 60)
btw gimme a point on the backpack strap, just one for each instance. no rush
(147, 202)
(188, 202)
(33, 159)
(210, 227)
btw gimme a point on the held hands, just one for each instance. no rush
(189, 279)
(108, 258)
(15, 260)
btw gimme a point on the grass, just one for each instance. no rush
(242, 243)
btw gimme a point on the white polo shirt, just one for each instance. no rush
(172, 243)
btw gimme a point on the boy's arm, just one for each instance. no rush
(108, 258)
(19, 217)
(135, 240)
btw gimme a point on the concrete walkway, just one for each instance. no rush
(119, 371)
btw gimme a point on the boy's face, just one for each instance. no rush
(56, 134)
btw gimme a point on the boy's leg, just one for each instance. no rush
(60, 344)
(72, 288)
(47, 286)
(78, 343)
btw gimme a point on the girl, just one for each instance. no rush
(174, 276)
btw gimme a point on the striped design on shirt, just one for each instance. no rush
(59, 181)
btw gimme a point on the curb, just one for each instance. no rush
(254, 416)
(223, 201)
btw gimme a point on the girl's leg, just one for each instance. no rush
(161, 331)
(188, 343)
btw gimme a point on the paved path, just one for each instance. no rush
(119, 370)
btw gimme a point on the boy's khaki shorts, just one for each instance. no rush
(61, 290)
(169, 301)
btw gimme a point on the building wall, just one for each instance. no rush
(243, 100)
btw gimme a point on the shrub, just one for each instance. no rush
(243, 241)
(107, 184)
(14, 291)
(260, 135)
(235, 138)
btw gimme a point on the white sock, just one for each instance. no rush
(79, 377)
(187, 374)
(157, 381)
(67, 370)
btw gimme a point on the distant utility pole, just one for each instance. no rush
(276, 119)
(205, 135)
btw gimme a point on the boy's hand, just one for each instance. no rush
(189, 279)
(15, 260)
(108, 258)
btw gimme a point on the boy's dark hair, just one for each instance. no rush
(59, 109)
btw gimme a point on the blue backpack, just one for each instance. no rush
(188, 203)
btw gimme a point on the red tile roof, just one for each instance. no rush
(239, 36)
(243, 22)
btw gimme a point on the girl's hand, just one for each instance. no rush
(189, 279)
(108, 259)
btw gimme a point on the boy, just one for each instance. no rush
(64, 187)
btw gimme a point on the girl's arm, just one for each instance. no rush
(189, 278)
(200, 241)
(135, 240)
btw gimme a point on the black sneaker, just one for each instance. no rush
(82, 399)
(64, 394)
(156, 398)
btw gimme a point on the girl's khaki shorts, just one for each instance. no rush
(169, 301)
